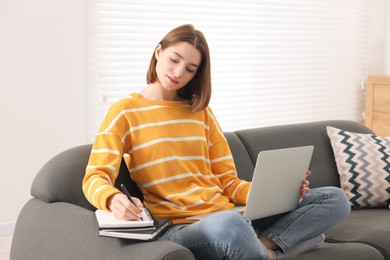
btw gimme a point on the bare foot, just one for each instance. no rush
(268, 243)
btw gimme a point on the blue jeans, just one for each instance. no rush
(229, 235)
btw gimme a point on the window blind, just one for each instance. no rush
(272, 62)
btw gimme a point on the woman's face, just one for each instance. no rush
(176, 65)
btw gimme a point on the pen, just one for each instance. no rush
(125, 191)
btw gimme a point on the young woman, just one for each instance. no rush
(178, 156)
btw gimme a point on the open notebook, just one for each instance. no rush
(146, 228)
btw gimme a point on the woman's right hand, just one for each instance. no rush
(122, 208)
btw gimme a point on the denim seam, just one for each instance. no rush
(275, 238)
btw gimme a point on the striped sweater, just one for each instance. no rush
(179, 159)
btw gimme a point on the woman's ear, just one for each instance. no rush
(157, 51)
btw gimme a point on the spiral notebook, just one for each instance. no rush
(145, 228)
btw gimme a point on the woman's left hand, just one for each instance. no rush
(305, 185)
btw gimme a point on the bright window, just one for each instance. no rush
(273, 62)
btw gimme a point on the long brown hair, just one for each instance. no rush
(198, 90)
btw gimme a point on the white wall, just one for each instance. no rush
(43, 90)
(377, 37)
(43, 86)
(386, 56)
(379, 45)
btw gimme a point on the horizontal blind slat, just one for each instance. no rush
(272, 62)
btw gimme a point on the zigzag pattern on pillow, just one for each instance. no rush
(364, 167)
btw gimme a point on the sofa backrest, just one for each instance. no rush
(60, 179)
(323, 166)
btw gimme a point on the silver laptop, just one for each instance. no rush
(276, 182)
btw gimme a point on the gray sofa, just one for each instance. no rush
(58, 222)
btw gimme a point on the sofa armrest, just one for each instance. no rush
(60, 179)
(66, 231)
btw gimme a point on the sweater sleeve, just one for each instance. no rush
(223, 166)
(105, 158)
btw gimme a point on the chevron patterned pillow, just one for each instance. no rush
(364, 167)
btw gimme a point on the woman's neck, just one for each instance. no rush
(156, 92)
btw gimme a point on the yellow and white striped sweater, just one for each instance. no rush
(179, 158)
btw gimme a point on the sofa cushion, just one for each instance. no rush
(353, 250)
(63, 231)
(366, 226)
(363, 165)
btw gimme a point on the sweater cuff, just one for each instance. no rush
(242, 194)
(108, 192)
